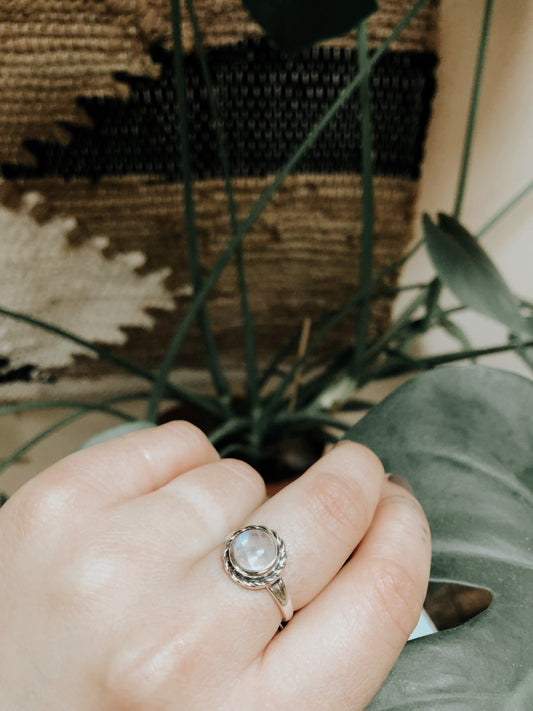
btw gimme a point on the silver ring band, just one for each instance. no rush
(281, 597)
(254, 557)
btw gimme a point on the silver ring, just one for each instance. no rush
(254, 557)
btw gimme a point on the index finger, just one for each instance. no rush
(128, 466)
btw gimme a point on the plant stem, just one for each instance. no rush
(474, 102)
(414, 328)
(43, 434)
(455, 331)
(376, 348)
(183, 328)
(330, 319)
(367, 234)
(235, 424)
(505, 209)
(356, 405)
(302, 347)
(406, 287)
(338, 391)
(328, 322)
(88, 407)
(85, 409)
(247, 318)
(183, 394)
(57, 404)
(436, 285)
(310, 418)
(388, 371)
(273, 368)
(215, 369)
(243, 451)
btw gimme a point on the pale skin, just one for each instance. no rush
(114, 596)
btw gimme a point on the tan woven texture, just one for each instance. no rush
(301, 256)
(54, 49)
(107, 260)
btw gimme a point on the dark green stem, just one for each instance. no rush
(192, 398)
(244, 227)
(421, 364)
(43, 434)
(393, 330)
(215, 369)
(455, 331)
(467, 146)
(235, 424)
(327, 383)
(273, 368)
(367, 234)
(86, 409)
(327, 392)
(310, 418)
(247, 318)
(329, 320)
(505, 209)
(474, 103)
(67, 404)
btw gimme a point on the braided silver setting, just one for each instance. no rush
(263, 578)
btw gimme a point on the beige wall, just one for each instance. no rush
(502, 155)
(502, 163)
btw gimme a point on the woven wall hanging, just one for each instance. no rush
(91, 215)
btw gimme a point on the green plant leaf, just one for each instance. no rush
(462, 436)
(296, 24)
(469, 273)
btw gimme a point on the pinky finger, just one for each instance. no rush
(338, 650)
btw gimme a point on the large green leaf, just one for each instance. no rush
(296, 24)
(469, 273)
(463, 437)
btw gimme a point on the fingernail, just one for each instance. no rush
(400, 481)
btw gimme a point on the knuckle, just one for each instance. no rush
(245, 472)
(91, 577)
(38, 508)
(142, 671)
(186, 430)
(397, 596)
(128, 680)
(339, 505)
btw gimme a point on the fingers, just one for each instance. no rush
(126, 467)
(321, 517)
(198, 508)
(354, 631)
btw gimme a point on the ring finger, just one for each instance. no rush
(321, 517)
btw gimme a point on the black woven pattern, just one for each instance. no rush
(268, 103)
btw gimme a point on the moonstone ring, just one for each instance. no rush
(254, 557)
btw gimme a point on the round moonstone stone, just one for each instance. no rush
(254, 551)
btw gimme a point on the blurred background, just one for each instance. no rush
(501, 165)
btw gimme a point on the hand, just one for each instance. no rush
(114, 596)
